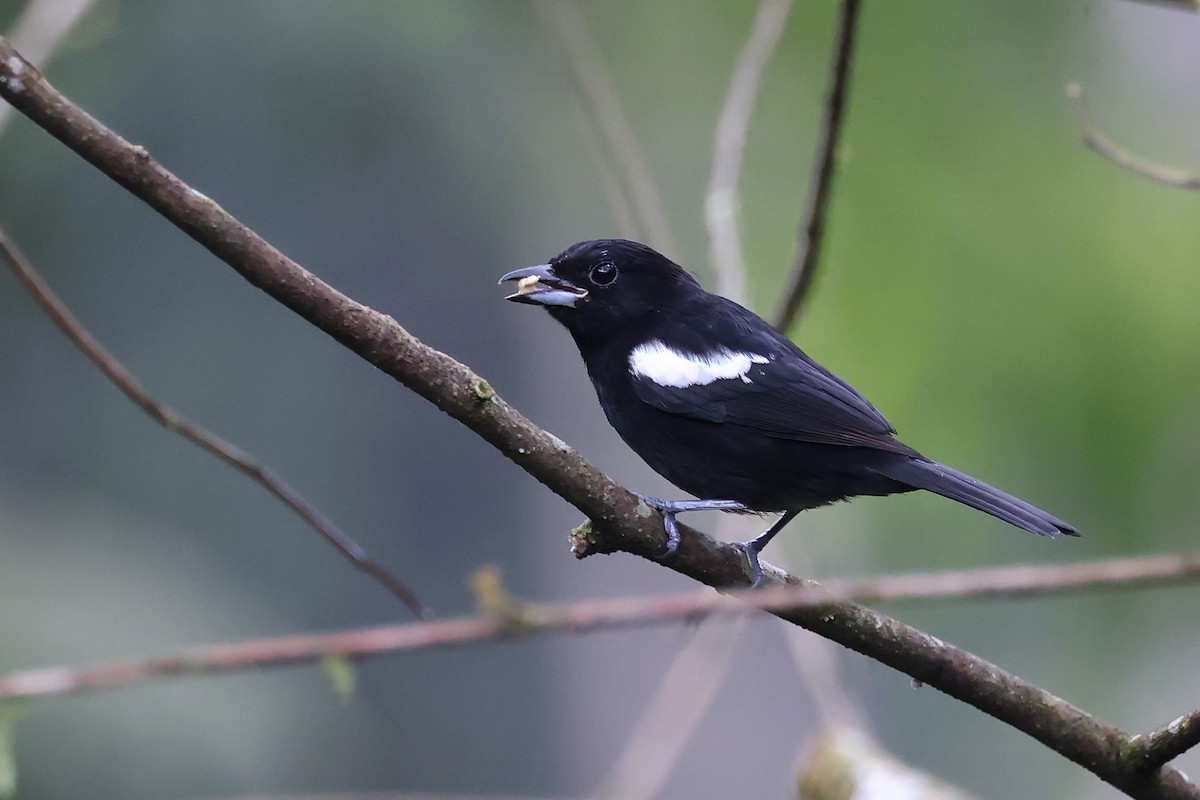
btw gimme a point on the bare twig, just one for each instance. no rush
(515, 619)
(1150, 751)
(1024, 581)
(485, 628)
(812, 228)
(566, 20)
(170, 419)
(689, 686)
(815, 658)
(684, 694)
(818, 663)
(618, 525)
(610, 181)
(43, 24)
(1121, 157)
(729, 144)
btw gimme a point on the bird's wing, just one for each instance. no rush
(759, 380)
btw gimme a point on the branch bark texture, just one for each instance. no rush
(619, 522)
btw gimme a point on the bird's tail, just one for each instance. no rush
(922, 473)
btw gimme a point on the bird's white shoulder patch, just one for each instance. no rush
(667, 366)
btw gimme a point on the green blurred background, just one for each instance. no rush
(1018, 307)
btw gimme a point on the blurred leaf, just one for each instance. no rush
(846, 764)
(11, 713)
(342, 674)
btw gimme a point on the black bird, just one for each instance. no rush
(726, 407)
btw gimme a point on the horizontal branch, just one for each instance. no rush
(507, 617)
(1022, 581)
(512, 619)
(617, 523)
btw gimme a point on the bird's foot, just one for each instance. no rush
(750, 551)
(752, 548)
(669, 508)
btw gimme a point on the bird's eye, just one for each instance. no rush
(603, 274)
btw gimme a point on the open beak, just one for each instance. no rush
(539, 286)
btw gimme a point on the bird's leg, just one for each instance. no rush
(753, 547)
(669, 508)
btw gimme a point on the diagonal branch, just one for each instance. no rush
(685, 692)
(1120, 156)
(812, 229)
(172, 420)
(617, 523)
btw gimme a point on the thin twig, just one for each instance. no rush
(170, 419)
(610, 180)
(566, 20)
(812, 228)
(617, 523)
(1024, 581)
(663, 729)
(819, 666)
(523, 619)
(1009, 582)
(1120, 156)
(1150, 751)
(690, 684)
(688, 687)
(815, 658)
(41, 27)
(729, 144)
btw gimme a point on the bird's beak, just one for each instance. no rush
(539, 285)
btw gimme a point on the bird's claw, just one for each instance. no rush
(672, 535)
(669, 508)
(665, 508)
(754, 568)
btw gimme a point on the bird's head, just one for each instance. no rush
(601, 286)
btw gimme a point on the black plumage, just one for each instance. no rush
(724, 406)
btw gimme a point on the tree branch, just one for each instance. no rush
(505, 618)
(1101, 748)
(172, 420)
(812, 229)
(620, 522)
(1150, 751)
(1121, 157)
